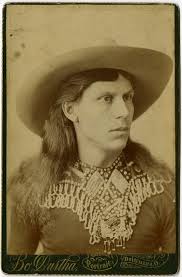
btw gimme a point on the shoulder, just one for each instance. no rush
(23, 188)
(156, 169)
(148, 163)
(163, 203)
(23, 177)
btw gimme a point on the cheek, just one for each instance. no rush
(90, 114)
(131, 110)
(87, 118)
(93, 122)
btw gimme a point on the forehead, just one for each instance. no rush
(121, 85)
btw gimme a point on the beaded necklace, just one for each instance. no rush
(106, 200)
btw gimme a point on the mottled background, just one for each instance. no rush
(37, 32)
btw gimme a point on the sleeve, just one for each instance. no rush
(23, 237)
(22, 224)
(163, 203)
(167, 211)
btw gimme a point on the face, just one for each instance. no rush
(105, 113)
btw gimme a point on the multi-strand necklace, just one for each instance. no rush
(107, 200)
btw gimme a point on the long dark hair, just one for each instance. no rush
(59, 145)
(59, 150)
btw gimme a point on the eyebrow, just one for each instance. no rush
(101, 93)
(131, 90)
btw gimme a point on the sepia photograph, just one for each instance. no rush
(91, 139)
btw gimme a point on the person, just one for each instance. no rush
(91, 189)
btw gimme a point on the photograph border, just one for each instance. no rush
(154, 264)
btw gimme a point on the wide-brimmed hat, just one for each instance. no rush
(151, 70)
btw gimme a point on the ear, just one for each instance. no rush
(69, 110)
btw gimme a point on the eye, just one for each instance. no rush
(108, 98)
(128, 96)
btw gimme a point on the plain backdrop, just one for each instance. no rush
(38, 32)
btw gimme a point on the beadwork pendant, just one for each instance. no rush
(107, 205)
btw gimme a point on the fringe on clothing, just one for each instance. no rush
(27, 184)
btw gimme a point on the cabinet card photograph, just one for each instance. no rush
(91, 121)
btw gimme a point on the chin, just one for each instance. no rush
(118, 144)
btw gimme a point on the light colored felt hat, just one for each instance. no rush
(151, 70)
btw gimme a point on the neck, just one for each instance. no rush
(96, 156)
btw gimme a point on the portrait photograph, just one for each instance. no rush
(91, 118)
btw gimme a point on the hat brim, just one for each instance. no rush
(151, 70)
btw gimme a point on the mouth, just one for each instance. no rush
(120, 129)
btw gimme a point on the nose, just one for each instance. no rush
(120, 109)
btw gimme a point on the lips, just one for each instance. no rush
(120, 129)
